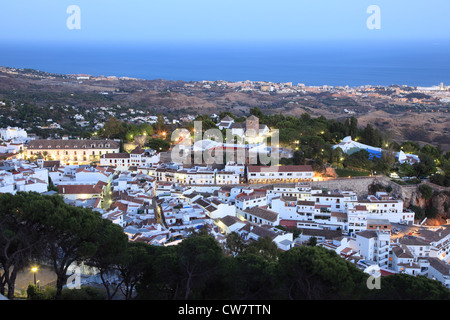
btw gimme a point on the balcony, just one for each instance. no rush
(322, 217)
(381, 244)
(382, 252)
(423, 262)
(383, 260)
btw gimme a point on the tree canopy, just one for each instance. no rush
(37, 228)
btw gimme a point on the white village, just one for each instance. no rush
(161, 202)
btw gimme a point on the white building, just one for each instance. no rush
(235, 168)
(139, 158)
(283, 240)
(12, 148)
(214, 208)
(261, 216)
(287, 208)
(439, 239)
(374, 246)
(200, 177)
(94, 174)
(301, 190)
(250, 198)
(403, 261)
(19, 175)
(13, 133)
(382, 206)
(225, 123)
(279, 174)
(439, 270)
(82, 191)
(357, 219)
(334, 201)
(227, 178)
(229, 224)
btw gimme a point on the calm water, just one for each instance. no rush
(344, 63)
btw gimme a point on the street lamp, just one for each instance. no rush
(34, 270)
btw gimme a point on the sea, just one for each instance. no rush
(313, 63)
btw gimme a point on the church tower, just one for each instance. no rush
(252, 126)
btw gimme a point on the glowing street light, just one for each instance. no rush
(34, 270)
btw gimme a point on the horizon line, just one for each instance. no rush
(235, 81)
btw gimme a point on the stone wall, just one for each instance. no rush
(408, 193)
(360, 185)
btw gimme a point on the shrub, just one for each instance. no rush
(426, 191)
(34, 293)
(419, 212)
(84, 293)
(431, 212)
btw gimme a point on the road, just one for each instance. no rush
(404, 230)
(158, 212)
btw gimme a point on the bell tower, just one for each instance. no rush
(252, 126)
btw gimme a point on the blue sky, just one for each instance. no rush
(230, 20)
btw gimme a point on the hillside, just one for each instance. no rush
(423, 122)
